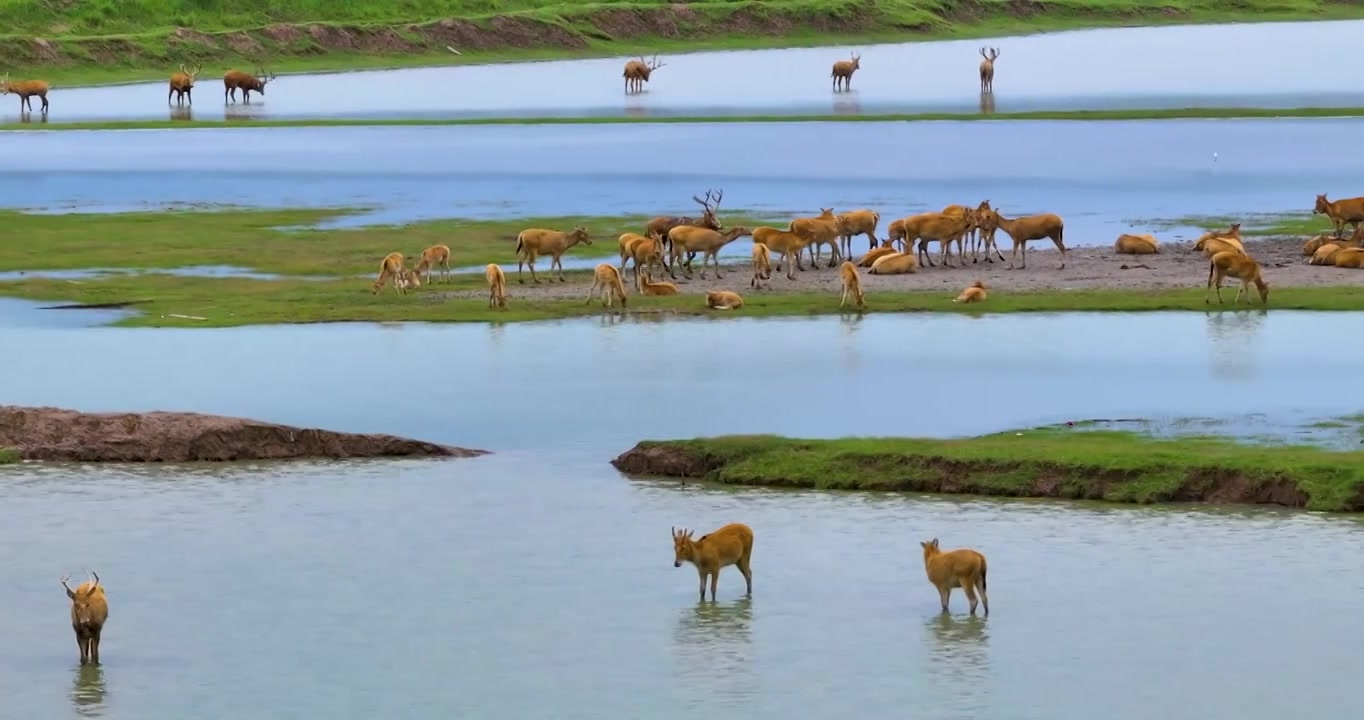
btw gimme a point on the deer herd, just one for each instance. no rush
(636, 73)
(672, 242)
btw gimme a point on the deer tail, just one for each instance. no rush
(983, 570)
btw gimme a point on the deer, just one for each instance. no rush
(89, 612)
(647, 287)
(664, 224)
(182, 84)
(436, 256)
(497, 285)
(1341, 212)
(391, 270)
(533, 242)
(1032, 227)
(784, 243)
(637, 73)
(942, 228)
(762, 266)
(234, 80)
(875, 254)
(26, 89)
(606, 283)
(975, 292)
(962, 568)
(692, 240)
(1239, 266)
(987, 70)
(724, 300)
(843, 71)
(852, 285)
(1141, 244)
(819, 230)
(729, 545)
(857, 222)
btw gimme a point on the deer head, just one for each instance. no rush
(990, 56)
(682, 542)
(580, 234)
(650, 66)
(262, 77)
(710, 205)
(191, 73)
(80, 598)
(856, 61)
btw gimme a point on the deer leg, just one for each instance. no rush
(714, 580)
(944, 594)
(744, 568)
(189, 95)
(84, 648)
(531, 264)
(970, 589)
(1060, 243)
(94, 646)
(702, 574)
(715, 259)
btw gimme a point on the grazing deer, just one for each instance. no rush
(606, 284)
(1239, 266)
(26, 89)
(637, 73)
(436, 256)
(234, 80)
(391, 270)
(182, 84)
(730, 545)
(497, 285)
(987, 70)
(852, 285)
(89, 611)
(664, 224)
(963, 568)
(843, 71)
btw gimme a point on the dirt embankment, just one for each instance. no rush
(937, 474)
(674, 21)
(66, 435)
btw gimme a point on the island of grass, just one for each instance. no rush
(1113, 466)
(231, 267)
(73, 43)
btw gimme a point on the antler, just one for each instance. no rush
(994, 53)
(95, 575)
(655, 64)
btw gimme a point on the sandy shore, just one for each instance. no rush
(1090, 268)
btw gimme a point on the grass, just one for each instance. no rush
(8, 456)
(1296, 224)
(1054, 115)
(1046, 462)
(325, 274)
(102, 41)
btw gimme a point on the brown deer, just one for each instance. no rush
(234, 80)
(843, 71)
(1238, 266)
(987, 70)
(664, 224)
(26, 89)
(1032, 227)
(1341, 212)
(182, 84)
(819, 230)
(637, 73)
(89, 611)
(692, 240)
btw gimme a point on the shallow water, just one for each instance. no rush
(1249, 65)
(1101, 176)
(376, 588)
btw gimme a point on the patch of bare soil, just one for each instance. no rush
(1177, 265)
(66, 435)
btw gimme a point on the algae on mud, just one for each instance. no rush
(1046, 462)
(104, 41)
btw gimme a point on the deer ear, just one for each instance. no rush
(935, 542)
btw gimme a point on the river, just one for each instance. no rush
(538, 582)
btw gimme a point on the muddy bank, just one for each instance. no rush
(567, 29)
(66, 435)
(1111, 466)
(1088, 268)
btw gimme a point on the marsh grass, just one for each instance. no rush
(1039, 115)
(1103, 465)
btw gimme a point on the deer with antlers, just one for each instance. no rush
(25, 89)
(843, 71)
(987, 69)
(182, 83)
(89, 612)
(637, 73)
(662, 225)
(234, 80)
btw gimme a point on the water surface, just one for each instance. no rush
(551, 577)
(1101, 176)
(1247, 65)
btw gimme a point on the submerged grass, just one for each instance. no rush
(325, 275)
(1046, 462)
(101, 41)
(181, 121)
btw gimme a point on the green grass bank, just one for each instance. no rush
(8, 456)
(184, 119)
(325, 275)
(107, 41)
(1041, 463)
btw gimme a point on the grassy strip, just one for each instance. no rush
(1299, 224)
(1047, 462)
(1054, 115)
(232, 302)
(101, 41)
(324, 274)
(8, 456)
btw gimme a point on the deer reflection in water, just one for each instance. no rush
(987, 103)
(88, 690)
(714, 647)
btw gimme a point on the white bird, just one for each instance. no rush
(1214, 157)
